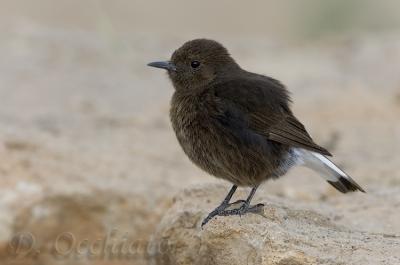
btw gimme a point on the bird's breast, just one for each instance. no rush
(193, 123)
(191, 119)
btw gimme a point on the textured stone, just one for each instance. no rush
(283, 234)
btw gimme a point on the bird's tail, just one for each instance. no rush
(329, 171)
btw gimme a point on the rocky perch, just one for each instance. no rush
(284, 234)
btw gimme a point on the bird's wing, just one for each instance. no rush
(288, 131)
(264, 104)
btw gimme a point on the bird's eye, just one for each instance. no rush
(195, 64)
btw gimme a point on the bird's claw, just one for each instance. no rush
(223, 211)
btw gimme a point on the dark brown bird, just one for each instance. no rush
(237, 125)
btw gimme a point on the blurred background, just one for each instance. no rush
(85, 141)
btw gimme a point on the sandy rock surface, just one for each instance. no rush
(285, 232)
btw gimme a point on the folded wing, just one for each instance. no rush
(264, 104)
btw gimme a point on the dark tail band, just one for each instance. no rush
(346, 185)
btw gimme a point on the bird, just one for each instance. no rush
(238, 126)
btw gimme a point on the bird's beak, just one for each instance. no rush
(164, 65)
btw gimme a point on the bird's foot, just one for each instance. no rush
(223, 210)
(245, 208)
(219, 210)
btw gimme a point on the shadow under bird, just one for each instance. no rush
(238, 126)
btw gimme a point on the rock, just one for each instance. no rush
(101, 228)
(283, 234)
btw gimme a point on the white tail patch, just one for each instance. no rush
(320, 164)
(328, 170)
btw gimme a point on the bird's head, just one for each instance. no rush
(197, 63)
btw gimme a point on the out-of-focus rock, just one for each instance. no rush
(280, 235)
(100, 228)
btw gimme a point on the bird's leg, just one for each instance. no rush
(224, 204)
(246, 207)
